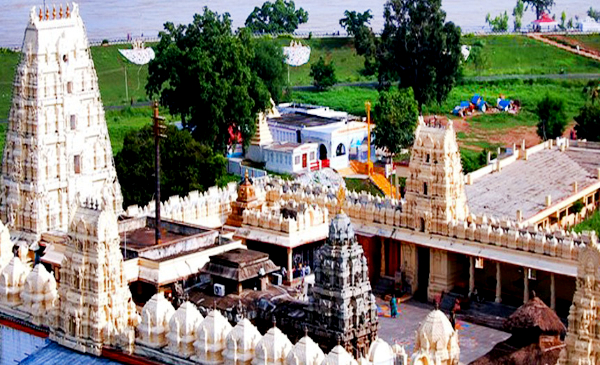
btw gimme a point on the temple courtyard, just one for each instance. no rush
(475, 340)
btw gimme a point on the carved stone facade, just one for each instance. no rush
(435, 192)
(57, 144)
(342, 305)
(436, 342)
(583, 336)
(95, 302)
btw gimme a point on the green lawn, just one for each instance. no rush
(590, 41)
(359, 185)
(110, 67)
(520, 55)
(8, 66)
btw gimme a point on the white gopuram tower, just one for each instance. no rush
(57, 145)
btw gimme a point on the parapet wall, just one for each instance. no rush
(307, 217)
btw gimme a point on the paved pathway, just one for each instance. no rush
(475, 341)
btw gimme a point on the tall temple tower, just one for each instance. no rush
(342, 306)
(435, 190)
(57, 145)
(95, 306)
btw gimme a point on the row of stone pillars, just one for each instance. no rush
(498, 298)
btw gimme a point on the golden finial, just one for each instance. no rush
(53, 11)
(60, 12)
(47, 13)
(41, 14)
(246, 175)
(341, 198)
(68, 12)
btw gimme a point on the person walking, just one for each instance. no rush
(393, 307)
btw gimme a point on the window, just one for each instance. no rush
(340, 150)
(425, 188)
(479, 262)
(73, 120)
(427, 158)
(297, 160)
(312, 156)
(77, 164)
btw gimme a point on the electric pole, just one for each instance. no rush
(159, 129)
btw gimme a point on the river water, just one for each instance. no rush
(115, 19)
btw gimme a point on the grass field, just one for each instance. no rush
(359, 185)
(591, 41)
(520, 55)
(487, 131)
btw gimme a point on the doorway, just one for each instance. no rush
(423, 273)
(322, 152)
(304, 162)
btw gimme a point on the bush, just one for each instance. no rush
(577, 207)
(552, 117)
(588, 123)
(323, 74)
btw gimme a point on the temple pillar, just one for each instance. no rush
(443, 273)
(525, 285)
(290, 264)
(552, 292)
(498, 283)
(382, 269)
(471, 275)
(409, 265)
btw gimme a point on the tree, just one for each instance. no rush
(499, 23)
(418, 49)
(203, 72)
(563, 20)
(186, 165)
(588, 122)
(594, 14)
(395, 114)
(269, 64)
(323, 74)
(278, 17)
(540, 6)
(552, 117)
(365, 42)
(518, 14)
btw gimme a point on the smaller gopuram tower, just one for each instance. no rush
(342, 306)
(95, 306)
(435, 190)
(583, 337)
(57, 145)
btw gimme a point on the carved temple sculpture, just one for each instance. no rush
(583, 335)
(57, 144)
(95, 302)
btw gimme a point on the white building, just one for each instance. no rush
(290, 157)
(335, 135)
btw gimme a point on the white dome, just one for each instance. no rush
(242, 341)
(381, 352)
(305, 352)
(339, 356)
(435, 328)
(157, 311)
(214, 328)
(40, 280)
(437, 337)
(272, 348)
(185, 320)
(14, 274)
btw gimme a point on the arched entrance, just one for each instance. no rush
(322, 152)
(340, 150)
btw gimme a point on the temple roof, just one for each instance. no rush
(524, 184)
(240, 265)
(534, 315)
